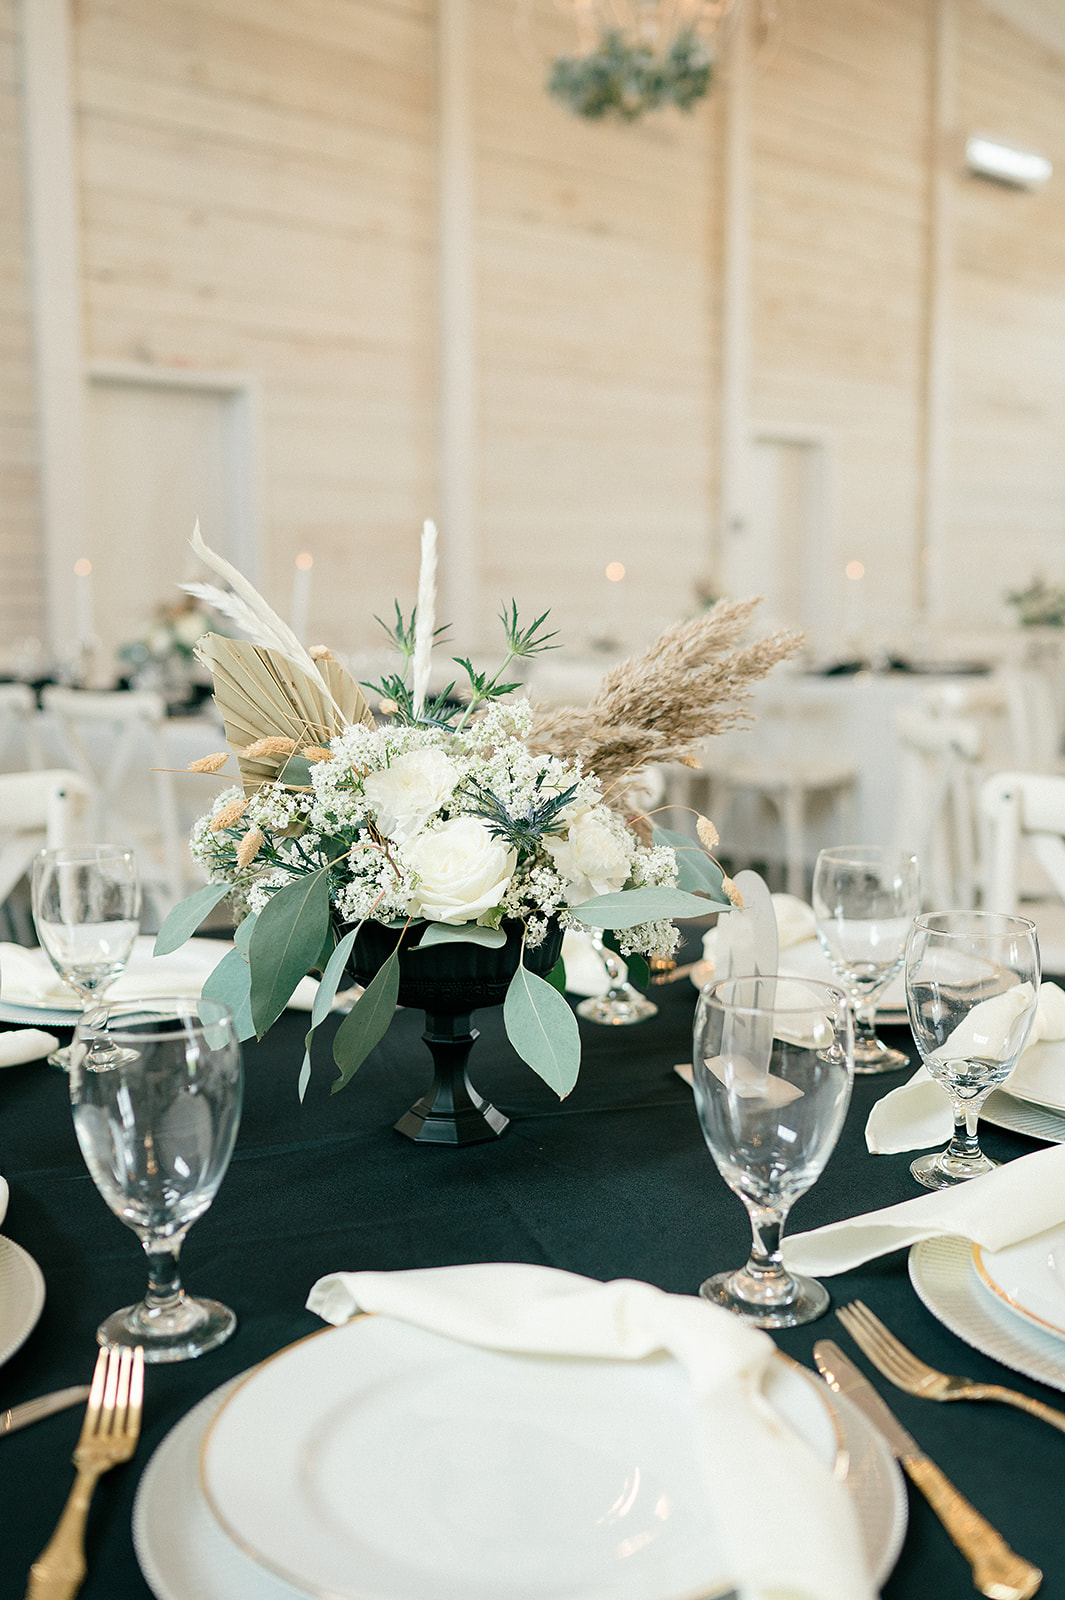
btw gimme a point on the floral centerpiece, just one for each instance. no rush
(447, 819)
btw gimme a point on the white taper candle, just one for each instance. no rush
(425, 618)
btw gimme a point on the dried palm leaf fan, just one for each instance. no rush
(269, 688)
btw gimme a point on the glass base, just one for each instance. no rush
(178, 1331)
(618, 1007)
(748, 1297)
(872, 1055)
(943, 1171)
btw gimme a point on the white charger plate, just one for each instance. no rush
(808, 960)
(1039, 1076)
(185, 1555)
(21, 1296)
(1029, 1278)
(942, 1273)
(1006, 1111)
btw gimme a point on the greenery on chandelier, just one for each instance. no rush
(624, 79)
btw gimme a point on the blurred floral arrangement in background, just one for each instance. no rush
(1041, 605)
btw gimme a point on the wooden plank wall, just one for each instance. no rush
(21, 599)
(258, 195)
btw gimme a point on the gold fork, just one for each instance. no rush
(108, 1436)
(909, 1372)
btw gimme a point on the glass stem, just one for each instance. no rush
(164, 1281)
(865, 1024)
(964, 1145)
(766, 1263)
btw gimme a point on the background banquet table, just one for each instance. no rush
(614, 1182)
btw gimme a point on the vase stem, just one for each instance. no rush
(451, 1111)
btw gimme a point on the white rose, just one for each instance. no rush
(462, 871)
(405, 795)
(592, 858)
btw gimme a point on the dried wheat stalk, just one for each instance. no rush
(693, 682)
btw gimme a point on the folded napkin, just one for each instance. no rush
(807, 1547)
(27, 977)
(1016, 1201)
(3, 1198)
(585, 972)
(918, 1114)
(25, 1044)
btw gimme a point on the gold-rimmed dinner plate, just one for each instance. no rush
(185, 1554)
(1028, 1278)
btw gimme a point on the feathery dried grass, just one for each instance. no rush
(694, 682)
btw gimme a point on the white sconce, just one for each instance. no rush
(1006, 163)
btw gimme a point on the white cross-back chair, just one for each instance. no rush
(38, 810)
(20, 740)
(939, 774)
(117, 741)
(1026, 811)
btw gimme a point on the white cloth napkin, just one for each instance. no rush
(917, 1115)
(1022, 1198)
(3, 1198)
(27, 977)
(25, 1044)
(795, 924)
(585, 971)
(806, 1547)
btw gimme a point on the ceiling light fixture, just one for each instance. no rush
(1006, 163)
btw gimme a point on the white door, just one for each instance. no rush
(780, 551)
(158, 457)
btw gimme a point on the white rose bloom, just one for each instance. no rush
(592, 858)
(463, 872)
(405, 795)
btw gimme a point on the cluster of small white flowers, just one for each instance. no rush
(538, 888)
(380, 886)
(502, 721)
(257, 894)
(649, 939)
(275, 808)
(215, 852)
(653, 866)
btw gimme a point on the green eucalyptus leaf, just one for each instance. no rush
(330, 982)
(296, 773)
(461, 933)
(305, 1069)
(244, 930)
(187, 915)
(543, 1030)
(630, 907)
(367, 1022)
(695, 868)
(230, 982)
(288, 935)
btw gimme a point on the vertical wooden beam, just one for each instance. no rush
(735, 295)
(930, 574)
(51, 183)
(459, 554)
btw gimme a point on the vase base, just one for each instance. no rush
(470, 1126)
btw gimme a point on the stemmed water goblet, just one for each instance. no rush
(773, 1077)
(86, 909)
(156, 1094)
(972, 986)
(620, 1003)
(865, 898)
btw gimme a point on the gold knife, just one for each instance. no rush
(44, 1406)
(997, 1571)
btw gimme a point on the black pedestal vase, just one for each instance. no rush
(449, 982)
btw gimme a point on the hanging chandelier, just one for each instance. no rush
(634, 56)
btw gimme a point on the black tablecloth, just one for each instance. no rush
(615, 1182)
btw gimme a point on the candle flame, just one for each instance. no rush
(855, 570)
(83, 567)
(305, 561)
(615, 571)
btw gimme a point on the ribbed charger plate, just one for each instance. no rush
(21, 1296)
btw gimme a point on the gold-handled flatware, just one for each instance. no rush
(108, 1436)
(907, 1371)
(998, 1571)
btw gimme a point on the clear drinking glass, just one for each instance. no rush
(86, 909)
(865, 899)
(773, 1077)
(621, 1003)
(156, 1096)
(972, 985)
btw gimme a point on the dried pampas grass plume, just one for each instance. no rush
(694, 682)
(249, 847)
(229, 814)
(213, 763)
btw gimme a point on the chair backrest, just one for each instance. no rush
(1034, 725)
(1016, 807)
(38, 810)
(939, 769)
(18, 728)
(116, 741)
